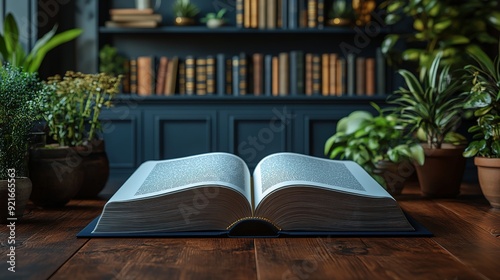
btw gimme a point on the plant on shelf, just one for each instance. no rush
(432, 106)
(440, 26)
(71, 111)
(20, 98)
(12, 51)
(184, 12)
(110, 61)
(379, 144)
(340, 13)
(214, 20)
(484, 99)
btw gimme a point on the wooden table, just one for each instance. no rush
(466, 245)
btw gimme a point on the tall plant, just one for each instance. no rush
(13, 52)
(19, 103)
(432, 104)
(72, 108)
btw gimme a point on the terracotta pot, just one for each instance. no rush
(22, 189)
(57, 175)
(183, 21)
(488, 170)
(441, 175)
(96, 169)
(394, 174)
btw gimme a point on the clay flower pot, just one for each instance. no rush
(488, 170)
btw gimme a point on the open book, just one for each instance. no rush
(289, 193)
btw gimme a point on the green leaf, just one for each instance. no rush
(481, 58)
(389, 42)
(442, 25)
(392, 19)
(329, 144)
(412, 82)
(411, 54)
(455, 40)
(494, 19)
(3, 48)
(478, 100)
(495, 148)
(10, 33)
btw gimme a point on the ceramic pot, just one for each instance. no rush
(441, 175)
(488, 171)
(57, 174)
(215, 23)
(21, 188)
(183, 21)
(96, 169)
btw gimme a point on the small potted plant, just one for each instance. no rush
(214, 20)
(484, 99)
(340, 13)
(184, 12)
(432, 106)
(379, 144)
(20, 97)
(14, 53)
(71, 111)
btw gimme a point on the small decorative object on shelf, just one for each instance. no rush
(340, 14)
(185, 11)
(363, 9)
(214, 20)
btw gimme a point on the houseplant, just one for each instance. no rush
(433, 105)
(447, 26)
(19, 95)
(340, 13)
(484, 100)
(184, 12)
(71, 111)
(13, 52)
(214, 20)
(379, 144)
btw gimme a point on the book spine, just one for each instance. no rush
(325, 74)
(239, 13)
(262, 15)
(254, 14)
(258, 74)
(268, 75)
(221, 74)
(229, 76)
(333, 74)
(201, 76)
(276, 69)
(161, 75)
(145, 73)
(309, 74)
(190, 75)
(173, 66)
(316, 74)
(246, 13)
(381, 72)
(351, 74)
(370, 76)
(236, 75)
(293, 13)
(321, 13)
(312, 10)
(182, 77)
(271, 14)
(295, 73)
(279, 8)
(284, 14)
(126, 76)
(360, 76)
(243, 74)
(300, 73)
(284, 76)
(210, 75)
(133, 75)
(341, 76)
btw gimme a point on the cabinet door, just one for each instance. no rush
(174, 132)
(254, 134)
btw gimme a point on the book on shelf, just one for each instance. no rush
(215, 194)
(145, 75)
(161, 75)
(132, 24)
(182, 77)
(133, 75)
(360, 76)
(380, 65)
(275, 76)
(201, 76)
(243, 74)
(351, 74)
(325, 74)
(341, 76)
(190, 75)
(254, 14)
(136, 18)
(210, 75)
(220, 69)
(284, 74)
(262, 14)
(229, 76)
(316, 74)
(268, 75)
(235, 67)
(296, 73)
(171, 76)
(271, 19)
(370, 76)
(320, 16)
(309, 74)
(332, 88)
(130, 11)
(312, 13)
(258, 74)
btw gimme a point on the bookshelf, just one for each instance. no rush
(158, 126)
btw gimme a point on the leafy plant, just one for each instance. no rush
(219, 15)
(12, 51)
(71, 109)
(20, 98)
(184, 8)
(484, 100)
(110, 61)
(446, 26)
(432, 104)
(340, 9)
(367, 140)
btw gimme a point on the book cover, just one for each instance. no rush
(258, 73)
(171, 76)
(254, 13)
(247, 14)
(145, 75)
(325, 74)
(201, 76)
(284, 14)
(190, 75)
(341, 77)
(126, 76)
(284, 74)
(136, 17)
(370, 76)
(210, 75)
(276, 76)
(293, 14)
(360, 76)
(229, 76)
(340, 196)
(161, 75)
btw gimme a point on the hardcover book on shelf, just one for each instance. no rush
(284, 74)
(190, 75)
(132, 24)
(210, 75)
(130, 11)
(214, 195)
(171, 76)
(145, 75)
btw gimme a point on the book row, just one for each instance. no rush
(285, 14)
(284, 74)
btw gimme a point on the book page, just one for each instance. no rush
(289, 169)
(167, 176)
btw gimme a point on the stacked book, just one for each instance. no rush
(141, 18)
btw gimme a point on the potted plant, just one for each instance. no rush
(432, 105)
(447, 26)
(340, 13)
(13, 52)
(71, 111)
(214, 20)
(484, 99)
(19, 95)
(379, 144)
(184, 12)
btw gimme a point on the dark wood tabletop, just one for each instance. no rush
(465, 245)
